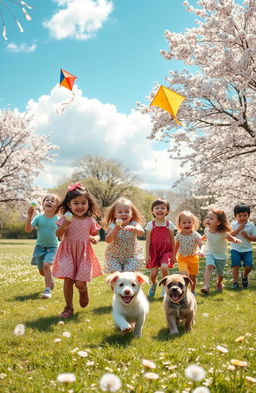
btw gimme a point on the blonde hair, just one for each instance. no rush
(190, 215)
(222, 218)
(55, 196)
(110, 215)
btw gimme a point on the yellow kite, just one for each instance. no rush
(168, 100)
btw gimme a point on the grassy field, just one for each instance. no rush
(32, 362)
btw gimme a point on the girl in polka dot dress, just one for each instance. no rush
(188, 245)
(75, 260)
(123, 223)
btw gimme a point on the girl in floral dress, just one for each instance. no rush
(123, 223)
(75, 261)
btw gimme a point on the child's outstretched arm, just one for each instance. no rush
(94, 238)
(111, 234)
(200, 245)
(28, 226)
(173, 246)
(252, 238)
(148, 240)
(62, 228)
(233, 239)
(137, 229)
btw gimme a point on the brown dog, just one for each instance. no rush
(179, 301)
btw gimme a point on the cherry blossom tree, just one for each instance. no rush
(217, 143)
(22, 156)
(10, 7)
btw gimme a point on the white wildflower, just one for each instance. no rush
(151, 376)
(110, 383)
(19, 330)
(250, 379)
(83, 354)
(66, 378)
(57, 340)
(148, 363)
(66, 334)
(201, 389)
(221, 349)
(195, 372)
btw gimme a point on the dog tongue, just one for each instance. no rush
(127, 299)
(175, 297)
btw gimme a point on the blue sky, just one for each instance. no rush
(116, 57)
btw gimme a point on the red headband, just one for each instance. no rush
(72, 187)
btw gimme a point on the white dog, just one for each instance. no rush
(130, 306)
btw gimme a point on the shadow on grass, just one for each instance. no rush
(164, 334)
(31, 296)
(102, 310)
(120, 339)
(45, 324)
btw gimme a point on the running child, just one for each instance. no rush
(75, 261)
(217, 233)
(245, 230)
(159, 243)
(123, 225)
(47, 241)
(188, 244)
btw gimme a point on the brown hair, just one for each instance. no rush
(93, 207)
(160, 201)
(222, 218)
(110, 216)
(190, 215)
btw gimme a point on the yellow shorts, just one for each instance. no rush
(189, 264)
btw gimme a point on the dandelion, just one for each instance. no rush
(238, 363)
(19, 330)
(110, 383)
(66, 334)
(66, 378)
(201, 389)
(221, 349)
(57, 340)
(250, 379)
(151, 376)
(148, 363)
(195, 372)
(83, 354)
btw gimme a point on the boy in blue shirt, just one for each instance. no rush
(245, 231)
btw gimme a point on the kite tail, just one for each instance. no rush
(64, 104)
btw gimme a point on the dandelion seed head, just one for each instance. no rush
(110, 383)
(195, 372)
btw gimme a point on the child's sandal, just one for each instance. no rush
(67, 312)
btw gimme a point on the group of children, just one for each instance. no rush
(75, 262)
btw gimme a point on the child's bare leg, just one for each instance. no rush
(193, 285)
(153, 275)
(219, 280)
(235, 273)
(208, 275)
(164, 270)
(247, 270)
(83, 293)
(47, 275)
(68, 291)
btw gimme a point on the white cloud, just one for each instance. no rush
(87, 126)
(78, 19)
(12, 47)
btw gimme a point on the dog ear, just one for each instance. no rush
(163, 281)
(141, 277)
(187, 279)
(112, 278)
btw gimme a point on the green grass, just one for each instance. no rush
(32, 362)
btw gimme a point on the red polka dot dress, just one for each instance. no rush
(75, 257)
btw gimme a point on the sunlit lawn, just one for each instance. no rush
(32, 362)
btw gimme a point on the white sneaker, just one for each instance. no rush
(46, 294)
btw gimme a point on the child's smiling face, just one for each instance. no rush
(242, 217)
(160, 211)
(124, 212)
(50, 204)
(79, 206)
(186, 224)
